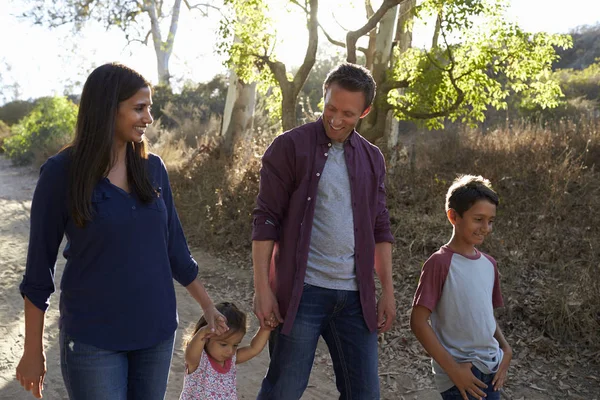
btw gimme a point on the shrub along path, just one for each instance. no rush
(402, 372)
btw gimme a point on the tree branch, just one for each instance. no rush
(197, 7)
(460, 95)
(353, 36)
(311, 51)
(173, 28)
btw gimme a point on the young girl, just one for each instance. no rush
(211, 359)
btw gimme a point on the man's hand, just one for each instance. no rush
(31, 372)
(217, 323)
(386, 312)
(266, 308)
(466, 382)
(500, 377)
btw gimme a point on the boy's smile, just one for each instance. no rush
(471, 229)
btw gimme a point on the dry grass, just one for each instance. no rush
(546, 239)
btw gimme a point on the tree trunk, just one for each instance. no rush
(163, 49)
(238, 124)
(373, 125)
(289, 118)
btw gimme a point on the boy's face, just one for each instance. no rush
(475, 224)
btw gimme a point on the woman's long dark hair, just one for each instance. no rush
(92, 149)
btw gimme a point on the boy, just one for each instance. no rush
(459, 289)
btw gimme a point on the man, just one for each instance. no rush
(320, 229)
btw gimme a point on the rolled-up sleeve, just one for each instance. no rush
(183, 266)
(382, 231)
(48, 218)
(275, 189)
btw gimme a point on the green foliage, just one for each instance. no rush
(581, 83)
(13, 111)
(4, 133)
(48, 127)
(247, 39)
(493, 59)
(120, 13)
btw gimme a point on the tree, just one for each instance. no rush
(138, 19)
(459, 79)
(251, 54)
(476, 60)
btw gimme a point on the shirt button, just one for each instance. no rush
(326, 154)
(329, 144)
(133, 207)
(318, 174)
(308, 199)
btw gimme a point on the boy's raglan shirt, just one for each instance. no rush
(461, 292)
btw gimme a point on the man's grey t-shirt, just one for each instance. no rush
(461, 292)
(331, 254)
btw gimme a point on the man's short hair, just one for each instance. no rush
(466, 190)
(354, 78)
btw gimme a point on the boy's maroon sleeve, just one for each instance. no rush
(497, 300)
(431, 283)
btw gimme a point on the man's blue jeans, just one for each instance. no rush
(454, 394)
(337, 316)
(91, 373)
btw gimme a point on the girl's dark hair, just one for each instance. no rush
(466, 190)
(92, 149)
(236, 319)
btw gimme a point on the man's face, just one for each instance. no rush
(343, 109)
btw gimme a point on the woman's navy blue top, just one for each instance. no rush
(117, 289)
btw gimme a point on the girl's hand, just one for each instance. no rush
(217, 323)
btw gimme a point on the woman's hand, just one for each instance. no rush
(31, 372)
(217, 323)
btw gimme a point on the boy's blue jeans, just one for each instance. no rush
(454, 394)
(337, 316)
(91, 373)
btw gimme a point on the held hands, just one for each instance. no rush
(266, 308)
(466, 382)
(500, 377)
(386, 312)
(31, 372)
(217, 323)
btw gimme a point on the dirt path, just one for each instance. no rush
(402, 376)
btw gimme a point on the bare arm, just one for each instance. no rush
(386, 306)
(265, 303)
(257, 344)
(460, 374)
(193, 350)
(217, 323)
(32, 367)
(500, 377)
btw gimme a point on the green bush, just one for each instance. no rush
(12, 112)
(48, 127)
(4, 133)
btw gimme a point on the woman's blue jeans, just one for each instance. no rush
(91, 373)
(337, 316)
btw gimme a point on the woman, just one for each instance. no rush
(125, 245)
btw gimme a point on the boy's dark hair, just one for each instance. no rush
(236, 319)
(353, 78)
(466, 190)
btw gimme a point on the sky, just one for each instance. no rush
(42, 61)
